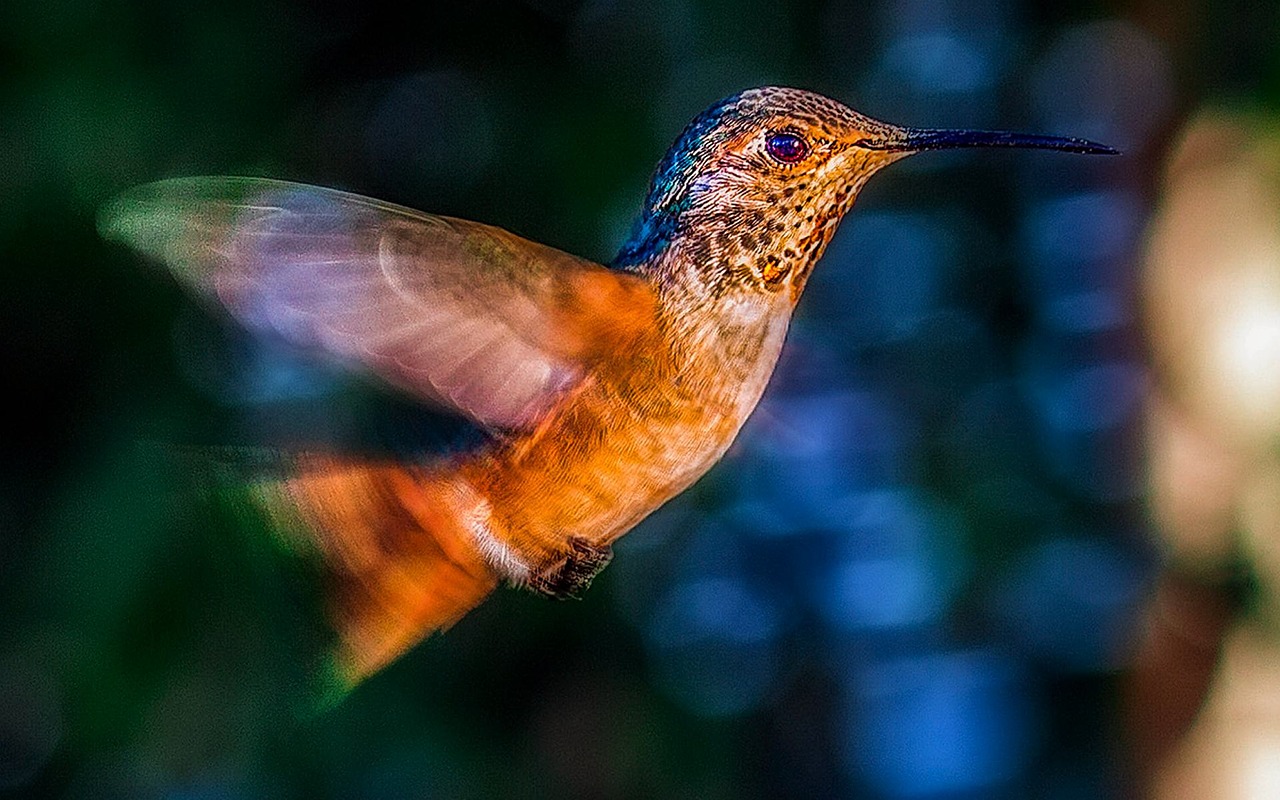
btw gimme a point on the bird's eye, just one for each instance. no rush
(788, 148)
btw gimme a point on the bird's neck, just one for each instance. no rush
(649, 242)
(720, 330)
(728, 244)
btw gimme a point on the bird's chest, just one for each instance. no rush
(632, 441)
(715, 387)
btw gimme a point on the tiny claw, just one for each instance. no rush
(569, 578)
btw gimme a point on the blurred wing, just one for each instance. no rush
(455, 312)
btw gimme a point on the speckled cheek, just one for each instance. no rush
(836, 202)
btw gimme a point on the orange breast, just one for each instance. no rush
(639, 432)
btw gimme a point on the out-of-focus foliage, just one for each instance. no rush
(916, 575)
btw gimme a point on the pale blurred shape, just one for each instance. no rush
(1213, 308)
(1192, 480)
(1234, 750)
(1262, 769)
(1248, 348)
(1213, 280)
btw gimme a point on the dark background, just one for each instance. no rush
(916, 575)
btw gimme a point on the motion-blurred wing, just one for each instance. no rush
(458, 313)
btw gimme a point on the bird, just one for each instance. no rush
(602, 390)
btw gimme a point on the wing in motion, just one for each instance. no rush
(461, 314)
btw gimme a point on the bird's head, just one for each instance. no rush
(754, 187)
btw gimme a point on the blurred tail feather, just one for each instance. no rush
(399, 564)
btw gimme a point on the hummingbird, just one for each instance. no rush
(603, 390)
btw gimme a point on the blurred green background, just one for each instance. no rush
(916, 575)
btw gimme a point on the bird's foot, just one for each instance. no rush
(570, 577)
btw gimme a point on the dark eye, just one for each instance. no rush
(787, 147)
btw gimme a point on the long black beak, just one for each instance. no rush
(913, 140)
